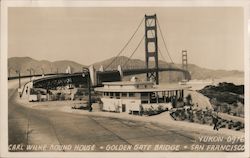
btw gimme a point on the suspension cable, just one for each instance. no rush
(164, 41)
(162, 56)
(134, 51)
(125, 44)
(136, 47)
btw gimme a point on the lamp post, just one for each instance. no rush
(42, 71)
(51, 68)
(87, 74)
(19, 78)
(9, 71)
(34, 72)
(19, 82)
(30, 72)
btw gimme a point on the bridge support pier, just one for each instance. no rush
(151, 46)
(185, 64)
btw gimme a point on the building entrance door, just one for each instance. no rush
(123, 107)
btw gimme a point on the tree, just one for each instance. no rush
(189, 99)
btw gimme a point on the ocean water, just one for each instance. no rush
(234, 80)
(200, 84)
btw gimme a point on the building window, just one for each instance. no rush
(124, 94)
(144, 94)
(144, 101)
(131, 94)
(117, 95)
(111, 94)
(106, 93)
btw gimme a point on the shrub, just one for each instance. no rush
(189, 99)
(160, 109)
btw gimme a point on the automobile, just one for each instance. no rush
(82, 105)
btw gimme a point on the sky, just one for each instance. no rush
(213, 36)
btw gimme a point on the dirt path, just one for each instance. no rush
(199, 99)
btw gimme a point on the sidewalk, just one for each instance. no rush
(200, 100)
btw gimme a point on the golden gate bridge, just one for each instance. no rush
(110, 73)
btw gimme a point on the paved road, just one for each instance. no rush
(29, 126)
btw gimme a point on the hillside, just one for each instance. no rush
(226, 97)
(203, 73)
(197, 72)
(25, 63)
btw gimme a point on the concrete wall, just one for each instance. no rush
(110, 104)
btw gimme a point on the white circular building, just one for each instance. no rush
(133, 96)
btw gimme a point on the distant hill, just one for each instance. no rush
(125, 63)
(25, 63)
(197, 72)
(203, 73)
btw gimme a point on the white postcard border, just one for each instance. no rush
(4, 83)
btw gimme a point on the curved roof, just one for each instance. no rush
(127, 83)
(155, 89)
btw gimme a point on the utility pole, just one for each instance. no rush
(30, 72)
(86, 74)
(9, 71)
(19, 81)
(42, 71)
(19, 78)
(31, 69)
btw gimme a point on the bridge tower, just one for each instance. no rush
(184, 61)
(151, 46)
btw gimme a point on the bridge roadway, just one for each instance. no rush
(142, 71)
(106, 76)
(31, 126)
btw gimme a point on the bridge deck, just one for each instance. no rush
(105, 76)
